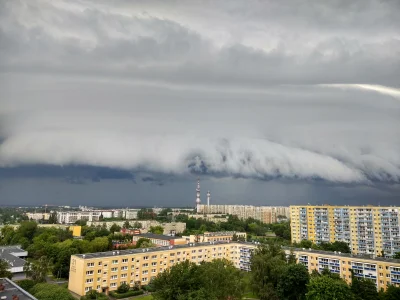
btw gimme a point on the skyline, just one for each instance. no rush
(270, 103)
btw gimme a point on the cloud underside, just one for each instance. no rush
(228, 89)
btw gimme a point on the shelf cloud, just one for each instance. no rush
(292, 90)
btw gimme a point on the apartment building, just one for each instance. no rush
(14, 257)
(382, 271)
(169, 228)
(266, 214)
(105, 271)
(37, 216)
(371, 230)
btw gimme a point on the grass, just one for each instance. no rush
(147, 297)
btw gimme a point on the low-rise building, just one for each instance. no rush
(221, 236)
(160, 240)
(169, 228)
(105, 271)
(14, 255)
(38, 216)
(10, 290)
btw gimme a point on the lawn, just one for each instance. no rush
(147, 297)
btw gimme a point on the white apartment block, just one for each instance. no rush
(266, 214)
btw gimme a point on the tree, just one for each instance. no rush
(396, 255)
(123, 288)
(4, 270)
(95, 295)
(214, 280)
(126, 225)
(146, 214)
(267, 263)
(26, 284)
(115, 228)
(328, 288)
(137, 225)
(37, 270)
(144, 243)
(47, 291)
(156, 229)
(293, 282)
(392, 293)
(53, 218)
(363, 288)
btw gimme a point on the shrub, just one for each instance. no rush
(126, 295)
(26, 284)
(123, 288)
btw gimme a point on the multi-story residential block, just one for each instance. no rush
(105, 271)
(371, 230)
(266, 214)
(382, 271)
(169, 228)
(38, 216)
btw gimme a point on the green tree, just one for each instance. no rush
(47, 291)
(26, 284)
(328, 288)
(146, 214)
(137, 225)
(156, 229)
(4, 272)
(126, 225)
(267, 263)
(293, 282)
(37, 270)
(94, 295)
(144, 243)
(123, 288)
(115, 228)
(53, 218)
(363, 288)
(396, 255)
(392, 293)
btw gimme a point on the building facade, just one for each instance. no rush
(221, 236)
(371, 230)
(382, 271)
(106, 271)
(169, 228)
(265, 214)
(13, 256)
(160, 240)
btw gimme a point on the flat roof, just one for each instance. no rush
(154, 249)
(7, 253)
(219, 233)
(10, 289)
(150, 235)
(355, 256)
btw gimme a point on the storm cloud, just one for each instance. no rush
(288, 90)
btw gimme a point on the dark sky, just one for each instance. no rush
(271, 102)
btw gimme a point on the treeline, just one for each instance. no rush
(335, 246)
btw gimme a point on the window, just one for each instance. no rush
(145, 265)
(98, 271)
(115, 261)
(89, 272)
(124, 275)
(145, 272)
(124, 268)
(113, 277)
(90, 280)
(145, 257)
(133, 259)
(98, 279)
(114, 269)
(113, 284)
(154, 264)
(99, 263)
(125, 260)
(90, 264)
(154, 257)
(87, 289)
(144, 279)
(153, 270)
(98, 287)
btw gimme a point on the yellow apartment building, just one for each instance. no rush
(105, 271)
(371, 230)
(382, 271)
(220, 236)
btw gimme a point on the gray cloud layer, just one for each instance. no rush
(232, 88)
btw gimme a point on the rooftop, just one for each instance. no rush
(158, 236)
(11, 255)
(355, 256)
(222, 233)
(11, 289)
(154, 249)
